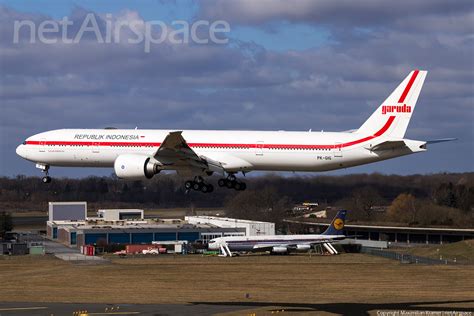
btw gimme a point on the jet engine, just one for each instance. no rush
(136, 167)
(279, 249)
(304, 247)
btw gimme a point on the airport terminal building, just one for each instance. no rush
(252, 228)
(389, 234)
(68, 223)
(92, 232)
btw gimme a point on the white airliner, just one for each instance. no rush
(140, 154)
(281, 243)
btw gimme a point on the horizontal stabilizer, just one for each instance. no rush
(441, 140)
(388, 145)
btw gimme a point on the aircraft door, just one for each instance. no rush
(338, 150)
(95, 148)
(42, 145)
(259, 148)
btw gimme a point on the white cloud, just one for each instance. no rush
(334, 87)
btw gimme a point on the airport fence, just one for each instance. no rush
(405, 258)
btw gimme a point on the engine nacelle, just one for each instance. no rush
(303, 247)
(279, 249)
(135, 167)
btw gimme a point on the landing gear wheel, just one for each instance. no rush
(198, 184)
(188, 185)
(45, 169)
(229, 183)
(210, 188)
(238, 186)
(204, 189)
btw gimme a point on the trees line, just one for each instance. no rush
(360, 192)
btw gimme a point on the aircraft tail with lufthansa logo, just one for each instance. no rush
(337, 224)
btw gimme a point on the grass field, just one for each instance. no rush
(296, 280)
(462, 251)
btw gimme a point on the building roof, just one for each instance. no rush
(227, 219)
(421, 229)
(132, 225)
(121, 210)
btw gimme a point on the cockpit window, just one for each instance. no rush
(24, 143)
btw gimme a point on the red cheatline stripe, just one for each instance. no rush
(217, 145)
(67, 143)
(355, 142)
(408, 87)
(385, 127)
(377, 134)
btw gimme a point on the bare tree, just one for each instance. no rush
(263, 205)
(6, 223)
(364, 199)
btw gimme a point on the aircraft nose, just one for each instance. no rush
(20, 151)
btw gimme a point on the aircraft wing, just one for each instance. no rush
(311, 243)
(175, 154)
(290, 245)
(265, 247)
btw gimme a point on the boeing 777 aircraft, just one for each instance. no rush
(281, 243)
(141, 154)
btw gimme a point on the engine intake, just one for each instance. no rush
(133, 166)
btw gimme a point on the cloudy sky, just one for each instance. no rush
(324, 65)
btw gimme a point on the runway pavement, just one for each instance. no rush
(56, 309)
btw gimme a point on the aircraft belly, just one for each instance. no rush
(82, 157)
(291, 161)
(240, 247)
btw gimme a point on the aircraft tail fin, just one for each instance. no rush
(393, 115)
(337, 224)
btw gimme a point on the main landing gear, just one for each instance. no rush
(198, 184)
(45, 170)
(231, 182)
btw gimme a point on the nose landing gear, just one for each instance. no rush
(46, 179)
(45, 170)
